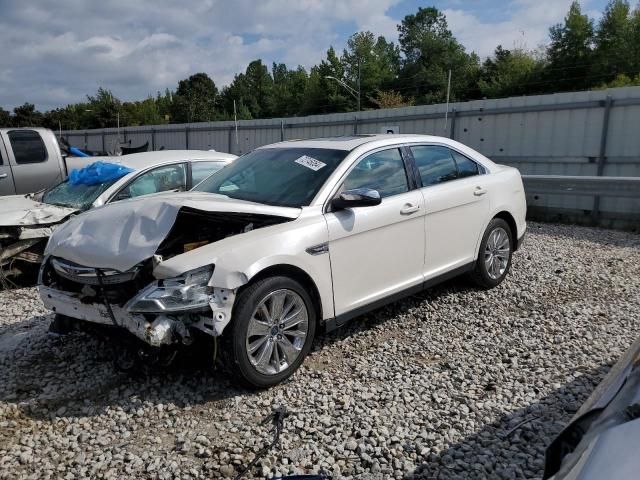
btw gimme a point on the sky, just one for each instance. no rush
(56, 52)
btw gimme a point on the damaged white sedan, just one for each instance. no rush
(290, 238)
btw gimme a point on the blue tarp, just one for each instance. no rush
(98, 172)
(77, 152)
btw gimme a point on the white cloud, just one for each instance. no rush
(55, 55)
(527, 26)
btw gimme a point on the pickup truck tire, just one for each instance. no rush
(494, 256)
(271, 331)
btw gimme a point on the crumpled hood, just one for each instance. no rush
(19, 210)
(123, 234)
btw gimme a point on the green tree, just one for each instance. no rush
(570, 53)
(252, 89)
(26, 115)
(430, 51)
(101, 110)
(164, 102)
(195, 100)
(613, 43)
(390, 99)
(621, 80)
(5, 118)
(288, 89)
(324, 94)
(634, 40)
(371, 62)
(510, 72)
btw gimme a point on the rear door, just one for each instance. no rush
(32, 168)
(6, 177)
(456, 200)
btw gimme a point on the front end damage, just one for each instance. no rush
(25, 226)
(160, 312)
(21, 251)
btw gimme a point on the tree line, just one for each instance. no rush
(581, 54)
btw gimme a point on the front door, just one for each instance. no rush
(377, 251)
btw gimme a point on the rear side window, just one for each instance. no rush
(466, 167)
(435, 164)
(27, 146)
(382, 171)
(160, 179)
(201, 170)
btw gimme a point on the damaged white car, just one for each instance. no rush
(290, 238)
(27, 221)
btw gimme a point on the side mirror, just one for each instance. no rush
(358, 197)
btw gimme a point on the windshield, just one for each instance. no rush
(288, 177)
(78, 196)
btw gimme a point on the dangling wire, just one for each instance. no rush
(276, 417)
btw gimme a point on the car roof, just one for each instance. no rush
(139, 161)
(351, 142)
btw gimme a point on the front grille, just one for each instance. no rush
(89, 276)
(83, 281)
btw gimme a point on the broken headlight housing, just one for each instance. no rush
(189, 291)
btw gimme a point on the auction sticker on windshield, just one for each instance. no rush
(310, 162)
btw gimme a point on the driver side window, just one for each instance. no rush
(382, 171)
(161, 179)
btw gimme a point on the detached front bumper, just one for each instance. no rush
(163, 330)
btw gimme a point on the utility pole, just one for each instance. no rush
(446, 113)
(358, 83)
(235, 120)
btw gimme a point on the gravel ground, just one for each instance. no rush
(434, 386)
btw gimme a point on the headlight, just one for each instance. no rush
(186, 292)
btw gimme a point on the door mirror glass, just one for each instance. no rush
(357, 197)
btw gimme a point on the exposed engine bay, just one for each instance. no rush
(193, 229)
(136, 301)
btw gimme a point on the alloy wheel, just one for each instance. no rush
(496, 253)
(277, 331)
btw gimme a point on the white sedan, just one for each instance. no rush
(289, 239)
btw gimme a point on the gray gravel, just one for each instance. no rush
(430, 387)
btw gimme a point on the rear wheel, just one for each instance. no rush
(494, 257)
(271, 332)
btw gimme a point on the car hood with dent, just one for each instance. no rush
(123, 234)
(22, 211)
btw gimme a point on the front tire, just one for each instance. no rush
(271, 332)
(494, 257)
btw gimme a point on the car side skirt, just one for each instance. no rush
(337, 322)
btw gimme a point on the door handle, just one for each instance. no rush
(4, 175)
(479, 191)
(409, 209)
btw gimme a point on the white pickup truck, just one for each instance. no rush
(31, 160)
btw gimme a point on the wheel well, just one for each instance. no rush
(507, 217)
(297, 274)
